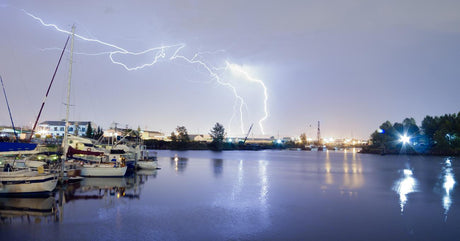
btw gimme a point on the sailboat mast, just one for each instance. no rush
(9, 111)
(48, 91)
(66, 129)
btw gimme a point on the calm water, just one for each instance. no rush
(261, 195)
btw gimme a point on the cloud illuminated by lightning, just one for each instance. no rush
(160, 53)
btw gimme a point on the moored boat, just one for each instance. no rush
(26, 182)
(103, 170)
(116, 167)
(149, 164)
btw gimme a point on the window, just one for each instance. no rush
(62, 129)
(83, 129)
(70, 128)
(55, 128)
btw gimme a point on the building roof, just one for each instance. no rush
(62, 123)
(153, 132)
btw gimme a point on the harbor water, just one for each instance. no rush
(252, 195)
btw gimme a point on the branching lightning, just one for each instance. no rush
(160, 53)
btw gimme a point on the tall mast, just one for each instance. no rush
(9, 111)
(48, 91)
(66, 129)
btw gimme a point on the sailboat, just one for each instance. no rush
(25, 181)
(115, 167)
(112, 165)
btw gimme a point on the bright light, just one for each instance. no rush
(279, 141)
(405, 185)
(404, 139)
(381, 131)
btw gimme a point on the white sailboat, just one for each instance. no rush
(25, 182)
(103, 168)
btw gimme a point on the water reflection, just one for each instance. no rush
(179, 163)
(218, 166)
(327, 166)
(107, 189)
(263, 183)
(448, 183)
(28, 210)
(405, 185)
(263, 194)
(352, 171)
(353, 177)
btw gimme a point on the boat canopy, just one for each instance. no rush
(16, 146)
(72, 151)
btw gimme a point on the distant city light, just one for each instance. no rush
(404, 139)
(381, 131)
(279, 141)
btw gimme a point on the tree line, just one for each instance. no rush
(438, 135)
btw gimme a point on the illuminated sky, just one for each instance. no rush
(350, 64)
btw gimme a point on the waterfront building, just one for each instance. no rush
(56, 128)
(153, 135)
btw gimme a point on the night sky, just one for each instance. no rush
(349, 64)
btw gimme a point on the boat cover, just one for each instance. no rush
(72, 151)
(16, 146)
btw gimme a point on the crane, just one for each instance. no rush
(246, 138)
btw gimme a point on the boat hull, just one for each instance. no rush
(149, 165)
(12, 183)
(103, 171)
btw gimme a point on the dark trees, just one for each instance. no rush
(217, 134)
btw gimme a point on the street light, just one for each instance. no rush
(404, 139)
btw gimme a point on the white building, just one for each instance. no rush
(200, 137)
(56, 128)
(152, 135)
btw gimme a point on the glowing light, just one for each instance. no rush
(404, 139)
(449, 182)
(404, 186)
(164, 53)
(381, 131)
(279, 141)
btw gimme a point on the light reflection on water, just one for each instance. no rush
(448, 180)
(405, 185)
(351, 171)
(238, 185)
(263, 194)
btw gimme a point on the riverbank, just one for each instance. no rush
(407, 151)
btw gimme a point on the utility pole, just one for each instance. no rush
(318, 135)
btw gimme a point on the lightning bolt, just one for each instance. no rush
(160, 53)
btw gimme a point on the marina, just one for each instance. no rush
(229, 120)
